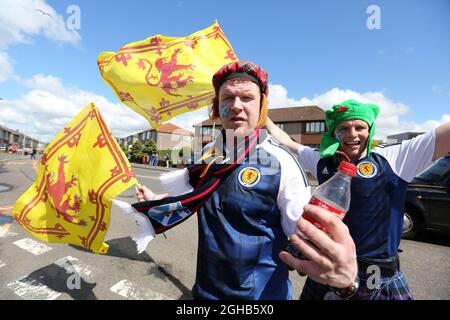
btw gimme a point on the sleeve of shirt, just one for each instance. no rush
(308, 158)
(176, 183)
(411, 157)
(294, 192)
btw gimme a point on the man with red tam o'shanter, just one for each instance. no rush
(375, 217)
(249, 195)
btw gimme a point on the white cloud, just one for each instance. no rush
(45, 82)
(6, 68)
(278, 97)
(187, 120)
(25, 19)
(388, 108)
(44, 111)
(389, 120)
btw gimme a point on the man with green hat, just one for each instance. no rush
(343, 115)
(375, 217)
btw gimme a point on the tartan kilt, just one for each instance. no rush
(391, 288)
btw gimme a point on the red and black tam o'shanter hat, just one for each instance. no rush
(166, 213)
(242, 69)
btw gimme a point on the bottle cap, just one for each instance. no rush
(348, 168)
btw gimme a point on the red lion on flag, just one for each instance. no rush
(57, 191)
(166, 76)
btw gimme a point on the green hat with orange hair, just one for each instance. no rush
(347, 110)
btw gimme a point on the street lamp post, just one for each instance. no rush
(24, 137)
(23, 143)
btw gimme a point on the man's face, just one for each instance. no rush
(239, 104)
(352, 136)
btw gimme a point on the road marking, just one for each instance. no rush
(4, 231)
(131, 291)
(2, 264)
(30, 289)
(72, 265)
(32, 246)
(18, 163)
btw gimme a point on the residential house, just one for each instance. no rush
(303, 124)
(9, 137)
(167, 137)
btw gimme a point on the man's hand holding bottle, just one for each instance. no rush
(331, 256)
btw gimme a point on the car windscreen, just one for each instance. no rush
(437, 171)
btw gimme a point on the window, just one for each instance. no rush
(280, 125)
(206, 131)
(315, 127)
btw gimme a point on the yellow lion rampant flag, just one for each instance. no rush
(161, 77)
(79, 174)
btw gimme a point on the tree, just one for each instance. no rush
(150, 147)
(376, 143)
(136, 152)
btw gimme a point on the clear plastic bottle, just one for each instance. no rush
(333, 195)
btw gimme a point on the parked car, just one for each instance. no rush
(427, 203)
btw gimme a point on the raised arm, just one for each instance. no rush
(281, 136)
(442, 141)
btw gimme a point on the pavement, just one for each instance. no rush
(4, 156)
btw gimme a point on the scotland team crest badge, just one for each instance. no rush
(367, 169)
(249, 176)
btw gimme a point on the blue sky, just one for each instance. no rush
(316, 52)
